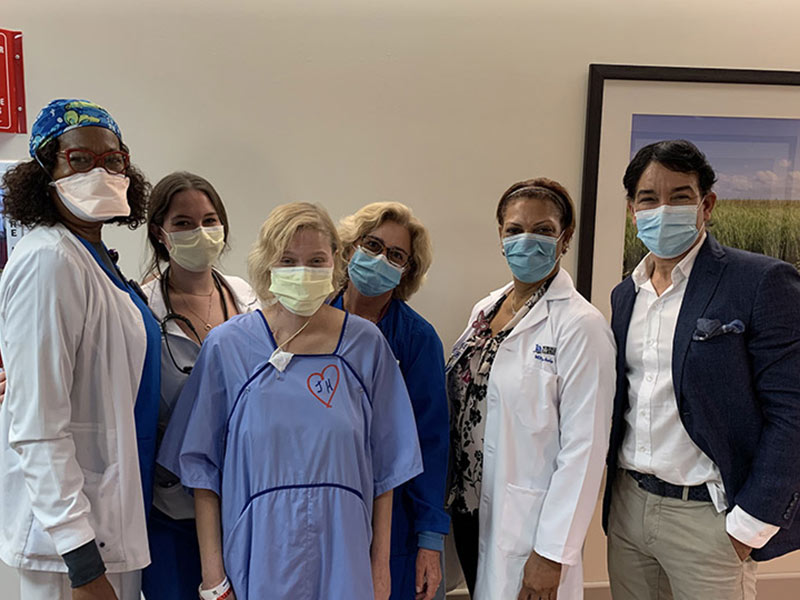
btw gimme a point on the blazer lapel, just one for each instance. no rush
(621, 317)
(703, 281)
(620, 323)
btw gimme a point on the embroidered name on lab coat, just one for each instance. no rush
(544, 353)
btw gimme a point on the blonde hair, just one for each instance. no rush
(277, 233)
(372, 216)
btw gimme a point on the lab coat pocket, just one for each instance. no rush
(103, 493)
(105, 518)
(96, 453)
(519, 519)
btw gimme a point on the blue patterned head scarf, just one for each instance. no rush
(62, 115)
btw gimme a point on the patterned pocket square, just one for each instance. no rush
(710, 328)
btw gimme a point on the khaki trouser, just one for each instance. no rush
(44, 585)
(663, 548)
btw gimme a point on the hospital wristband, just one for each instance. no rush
(220, 592)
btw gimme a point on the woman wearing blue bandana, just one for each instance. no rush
(531, 383)
(389, 254)
(82, 353)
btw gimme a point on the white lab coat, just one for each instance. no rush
(548, 415)
(169, 496)
(74, 347)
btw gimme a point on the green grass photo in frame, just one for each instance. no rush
(758, 180)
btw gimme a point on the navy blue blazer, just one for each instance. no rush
(738, 394)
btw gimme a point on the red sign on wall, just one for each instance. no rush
(12, 83)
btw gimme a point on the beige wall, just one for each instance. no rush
(437, 103)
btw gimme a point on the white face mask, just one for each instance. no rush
(198, 249)
(301, 290)
(94, 196)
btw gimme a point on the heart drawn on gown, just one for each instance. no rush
(325, 386)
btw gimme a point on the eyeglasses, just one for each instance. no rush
(82, 161)
(375, 247)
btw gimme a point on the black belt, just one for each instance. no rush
(654, 485)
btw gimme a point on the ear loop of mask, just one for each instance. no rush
(700, 209)
(41, 164)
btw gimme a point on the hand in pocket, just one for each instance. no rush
(742, 549)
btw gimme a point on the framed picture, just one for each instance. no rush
(747, 122)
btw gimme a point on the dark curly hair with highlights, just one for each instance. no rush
(27, 199)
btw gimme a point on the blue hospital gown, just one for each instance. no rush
(297, 457)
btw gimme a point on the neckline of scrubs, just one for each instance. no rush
(338, 343)
(115, 276)
(384, 323)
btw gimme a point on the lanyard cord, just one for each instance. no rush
(295, 334)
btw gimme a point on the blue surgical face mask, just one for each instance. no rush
(373, 275)
(531, 256)
(668, 231)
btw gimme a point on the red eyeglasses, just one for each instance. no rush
(81, 160)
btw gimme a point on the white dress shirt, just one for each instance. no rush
(656, 441)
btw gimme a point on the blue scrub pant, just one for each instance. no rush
(174, 571)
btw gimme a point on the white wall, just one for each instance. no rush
(440, 104)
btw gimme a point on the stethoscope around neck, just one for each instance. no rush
(174, 316)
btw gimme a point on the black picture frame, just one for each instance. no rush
(599, 74)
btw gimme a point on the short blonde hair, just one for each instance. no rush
(277, 233)
(372, 216)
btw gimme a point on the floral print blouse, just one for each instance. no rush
(467, 381)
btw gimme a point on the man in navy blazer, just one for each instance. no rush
(704, 460)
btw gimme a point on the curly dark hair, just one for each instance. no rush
(27, 199)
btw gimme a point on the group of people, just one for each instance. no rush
(300, 435)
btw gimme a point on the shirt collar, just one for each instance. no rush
(644, 270)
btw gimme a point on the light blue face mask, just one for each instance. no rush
(373, 275)
(531, 256)
(668, 231)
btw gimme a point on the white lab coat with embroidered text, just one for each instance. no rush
(548, 414)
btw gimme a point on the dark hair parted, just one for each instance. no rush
(160, 201)
(543, 189)
(27, 198)
(676, 155)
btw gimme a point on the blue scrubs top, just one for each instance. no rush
(145, 411)
(297, 456)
